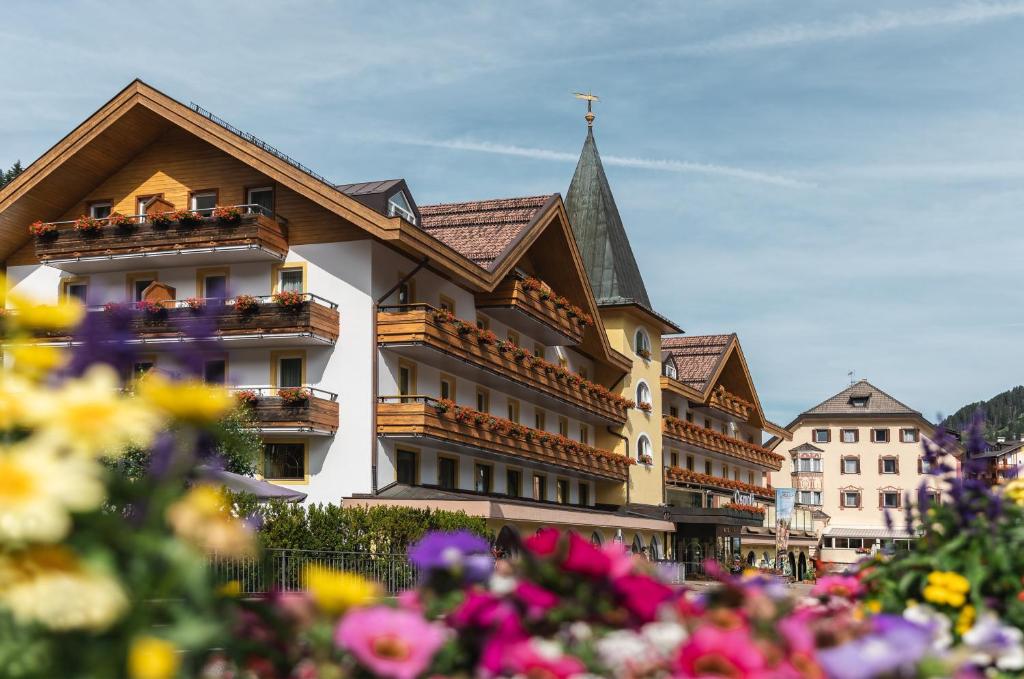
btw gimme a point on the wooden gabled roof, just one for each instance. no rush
(139, 114)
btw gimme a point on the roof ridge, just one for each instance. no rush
(545, 196)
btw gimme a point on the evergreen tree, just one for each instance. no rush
(7, 176)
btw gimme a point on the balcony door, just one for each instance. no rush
(290, 371)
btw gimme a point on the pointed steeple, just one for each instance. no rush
(600, 234)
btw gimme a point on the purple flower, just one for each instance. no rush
(894, 645)
(459, 552)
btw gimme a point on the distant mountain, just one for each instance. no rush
(1004, 415)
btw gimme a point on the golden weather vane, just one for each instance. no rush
(590, 98)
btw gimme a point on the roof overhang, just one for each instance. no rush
(664, 325)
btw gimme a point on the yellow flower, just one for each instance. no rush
(946, 587)
(873, 606)
(31, 316)
(39, 490)
(188, 400)
(230, 589)
(33, 360)
(51, 587)
(152, 658)
(18, 398)
(965, 620)
(91, 416)
(202, 518)
(334, 591)
(1014, 491)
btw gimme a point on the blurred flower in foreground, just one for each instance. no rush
(187, 400)
(460, 553)
(1014, 491)
(152, 658)
(35, 361)
(993, 642)
(51, 586)
(29, 316)
(38, 490)
(390, 642)
(202, 518)
(946, 587)
(334, 592)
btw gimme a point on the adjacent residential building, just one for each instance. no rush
(854, 457)
(1000, 462)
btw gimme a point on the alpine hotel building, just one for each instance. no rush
(501, 357)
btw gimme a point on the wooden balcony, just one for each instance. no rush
(314, 415)
(707, 439)
(314, 321)
(415, 331)
(528, 311)
(255, 237)
(679, 477)
(730, 403)
(415, 418)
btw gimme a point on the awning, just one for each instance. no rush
(263, 490)
(880, 532)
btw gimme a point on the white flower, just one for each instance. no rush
(994, 642)
(502, 585)
(625, 652)
(665, 637)
(937, 623)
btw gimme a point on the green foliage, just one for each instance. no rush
(1004, 415)
(7, 176)
(329, 527)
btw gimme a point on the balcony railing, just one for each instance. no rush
(313, 320)
(420, 325)
(701, 437)
(730, 403)
(530, 307)
(420, 417)
(253, 235)
(678, 476)
(304, 410)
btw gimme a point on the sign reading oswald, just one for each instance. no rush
(785, 501)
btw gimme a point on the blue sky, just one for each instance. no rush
(839, 183)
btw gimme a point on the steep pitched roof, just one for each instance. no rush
(483, 230)
(600, 234)
(696, 357)
(874, 400)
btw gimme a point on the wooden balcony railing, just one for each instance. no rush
(678, 476)
(253, 229)
(698, 436)
(730, 403)
(423, 325)
(315, 317)
(423, 417)
(539, 304)
(298, 409)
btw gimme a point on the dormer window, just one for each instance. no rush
(859, 401)
(398, 206)
(99, 210)
(670, 370)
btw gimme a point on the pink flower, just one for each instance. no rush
(389, 642)
(538, 600)
(543, 543)
(585, 558)
(642, 595)
(410, 600)
(845, 586)
(620, 559)
(506, 636)
(715, 652)
(480, 610)
(541, 658)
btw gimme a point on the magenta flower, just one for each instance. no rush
(642, 595)
(715, 652)
(389, 642)
(543, 542)
(541, 658)
(586, 559)
(537, 600)
(844, 586)
(480, 610)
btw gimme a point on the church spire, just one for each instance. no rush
(600, 235)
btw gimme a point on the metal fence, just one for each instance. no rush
(283, 569)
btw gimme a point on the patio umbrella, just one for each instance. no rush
(263, 490)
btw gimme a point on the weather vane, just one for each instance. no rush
(590, 98)
(851, 375)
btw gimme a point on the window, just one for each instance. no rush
(689, 417)
(707, 467)
(809, 497)
(643, 394)
(859, 401)
(204, 202)
(725, 471)
(851, 465)
(398, 206)
(538, 350)
(137, 283)
(482, 475)
(483, 323)
(923, 466)
(583, 494)
(750, 478)
(821, 436)
(879, 435)
(563, 425)
(643, 449)
(889, 499)
(447, 473)
(406, 380)
(289, 371)
(582, 372)
(707, 423)
(539, 419)
(889, 465)
(689, 462)
(212, 283)
(407, 467)
(483, 400)
(513, 337)
(673, 411)
(735, 474)
(851, 498)
(562, 492)
(513, 410)
(406, 291)
(215, 371)
(447, 304)
(284, 461)
(100, 209)
(260, 200)
(75, 288)
(290, 279)
(808, 464)
(513, 482)
(447, 384)
(910, 435)
(584, 434)
(670, 370)
(540, 487)
(642, 344)
(849, 435)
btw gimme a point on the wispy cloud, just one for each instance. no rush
(621, 161)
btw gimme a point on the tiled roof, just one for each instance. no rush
(482, 230)
(696, 356)
(877, 402)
